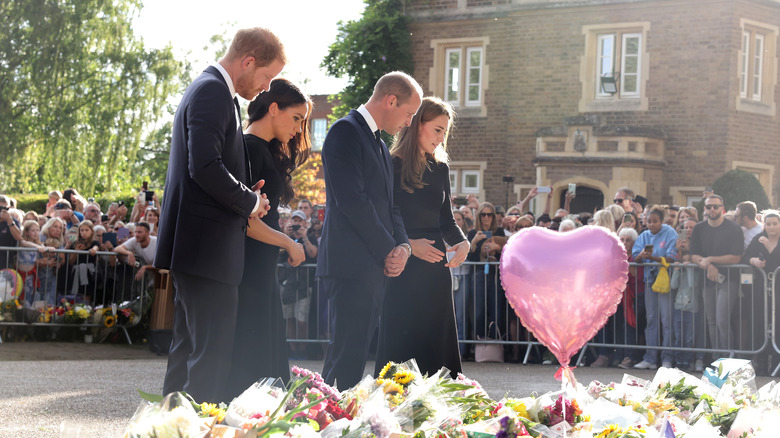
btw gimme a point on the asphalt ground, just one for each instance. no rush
(90, 390)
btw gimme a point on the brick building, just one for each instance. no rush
(663, 96)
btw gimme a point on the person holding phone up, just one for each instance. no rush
(659, 240)
(486, 241)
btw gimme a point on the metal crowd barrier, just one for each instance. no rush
(744, 324)
(49, 290)
(304, 304)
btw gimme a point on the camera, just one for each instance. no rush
(295, 227)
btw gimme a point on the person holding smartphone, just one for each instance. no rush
(486, 241)
(659, 240)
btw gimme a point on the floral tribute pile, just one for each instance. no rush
(402, 403)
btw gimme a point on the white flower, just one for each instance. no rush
(302, 431)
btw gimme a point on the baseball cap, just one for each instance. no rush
(299, 214)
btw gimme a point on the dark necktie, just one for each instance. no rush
(379, 143)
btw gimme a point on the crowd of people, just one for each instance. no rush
(705, 306)
(389, 249)
(71, 222)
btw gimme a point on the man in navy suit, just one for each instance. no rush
(363, 237)
(205, 212)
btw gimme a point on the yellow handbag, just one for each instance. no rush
(661, 284)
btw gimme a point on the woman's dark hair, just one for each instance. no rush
(658, 211)
(291, 155)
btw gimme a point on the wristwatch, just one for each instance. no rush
(407, 247)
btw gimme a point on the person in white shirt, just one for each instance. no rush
(141, 248)
(745, 216)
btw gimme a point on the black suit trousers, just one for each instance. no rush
(354, 309)
(204, 326)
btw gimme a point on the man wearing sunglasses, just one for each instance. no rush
(716, 242)
(625, 198)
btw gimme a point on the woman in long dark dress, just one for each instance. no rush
(277, 140)
(418, 316)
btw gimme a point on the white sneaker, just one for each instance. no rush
(666, 364)
(645, 365)
(699, 366)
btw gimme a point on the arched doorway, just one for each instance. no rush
(587, 200)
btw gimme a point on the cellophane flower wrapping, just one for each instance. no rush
(173, 417)
(256, 404)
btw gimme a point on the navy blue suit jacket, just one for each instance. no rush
(207, 201)
(362, 226)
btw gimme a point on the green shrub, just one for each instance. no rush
(736, 186)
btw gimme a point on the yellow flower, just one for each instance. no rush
(608, 430)
(521, 411)
(384, 373)
(392, 388)
(109, 321)
(212, 410)
(403, 377)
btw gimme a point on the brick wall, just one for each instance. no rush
(534, 82)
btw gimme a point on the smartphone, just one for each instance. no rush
(649, 248)
(321, 215)
(708, 189)
(460, 201)
(149, 196)
(573, 188)
(641, 200)
(104, 218)
(122, 233)
(110, 237)
(721, 278)
(145, 185)
(682, 235)
(72, 238)
(488, 234)
(543, 189)
(628, 217)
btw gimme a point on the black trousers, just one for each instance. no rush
(204, 326)
(355, 306)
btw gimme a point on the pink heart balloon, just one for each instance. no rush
(564, 286)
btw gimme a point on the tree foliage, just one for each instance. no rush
(79, 95)
(368, 48)
(308, 181)
(736, 186)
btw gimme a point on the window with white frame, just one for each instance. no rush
(463, 80)
(466, 177)
(614, 70)
(757, 67)
(319, 128)
(619, 58)
(470, 181)
(459, 73)
(453, 181)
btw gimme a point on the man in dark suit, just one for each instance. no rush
(363, 238)
(205, 212)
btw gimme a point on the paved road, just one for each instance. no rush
(90, 389)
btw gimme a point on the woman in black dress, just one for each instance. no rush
(418, 316)
(277, 140)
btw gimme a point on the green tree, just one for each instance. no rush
(736, 186)
(368, 48)
(79, 94)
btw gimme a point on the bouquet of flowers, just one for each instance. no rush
(75, 313)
